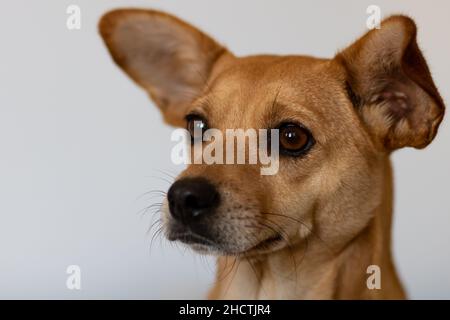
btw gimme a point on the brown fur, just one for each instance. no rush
(332, 207)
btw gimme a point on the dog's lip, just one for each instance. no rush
(189, 237)
(201, 242)
(267, 243)
(197, 240)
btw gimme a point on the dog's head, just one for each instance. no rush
(338, 120)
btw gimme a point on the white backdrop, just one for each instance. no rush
(79, 143)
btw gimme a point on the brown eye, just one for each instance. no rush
(196, 125)
(294, 139)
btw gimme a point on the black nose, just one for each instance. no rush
(192, 198)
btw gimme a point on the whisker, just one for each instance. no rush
(162, 179)
(303, 224)
(278, 229)
(220, 278)
(232, 277)
(289, 245)
(258, 278)
(157, 206)
(152, 192)
(158, 221)
(155, 235)
(167, 173)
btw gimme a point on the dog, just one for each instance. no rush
(316, 228)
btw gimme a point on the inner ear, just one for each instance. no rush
(398, 96)
(169, 58)
(389, 83)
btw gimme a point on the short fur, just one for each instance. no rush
(333, 207)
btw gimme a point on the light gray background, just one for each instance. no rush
(79, 143)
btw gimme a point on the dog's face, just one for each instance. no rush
(338, 121)
(250, 212)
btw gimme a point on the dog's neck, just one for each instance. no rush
(312, 270)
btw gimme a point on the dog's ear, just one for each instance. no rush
(390, 84)
(169, 58)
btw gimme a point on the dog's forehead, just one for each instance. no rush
(264, 69)
(253, 88)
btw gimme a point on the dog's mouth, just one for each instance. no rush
(191, 238)
(205, 244)
(197, 242)
(267, 244)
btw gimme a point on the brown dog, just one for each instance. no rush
(313, 229)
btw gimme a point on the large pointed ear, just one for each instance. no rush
(390, 84)
(167, 57)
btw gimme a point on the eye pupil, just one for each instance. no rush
(294, 139)
(196, 126)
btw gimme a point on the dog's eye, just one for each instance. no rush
(196, 125)
(294, 139)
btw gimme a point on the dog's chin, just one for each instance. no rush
(205, 245)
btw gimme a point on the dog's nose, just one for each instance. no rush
(192, 198)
